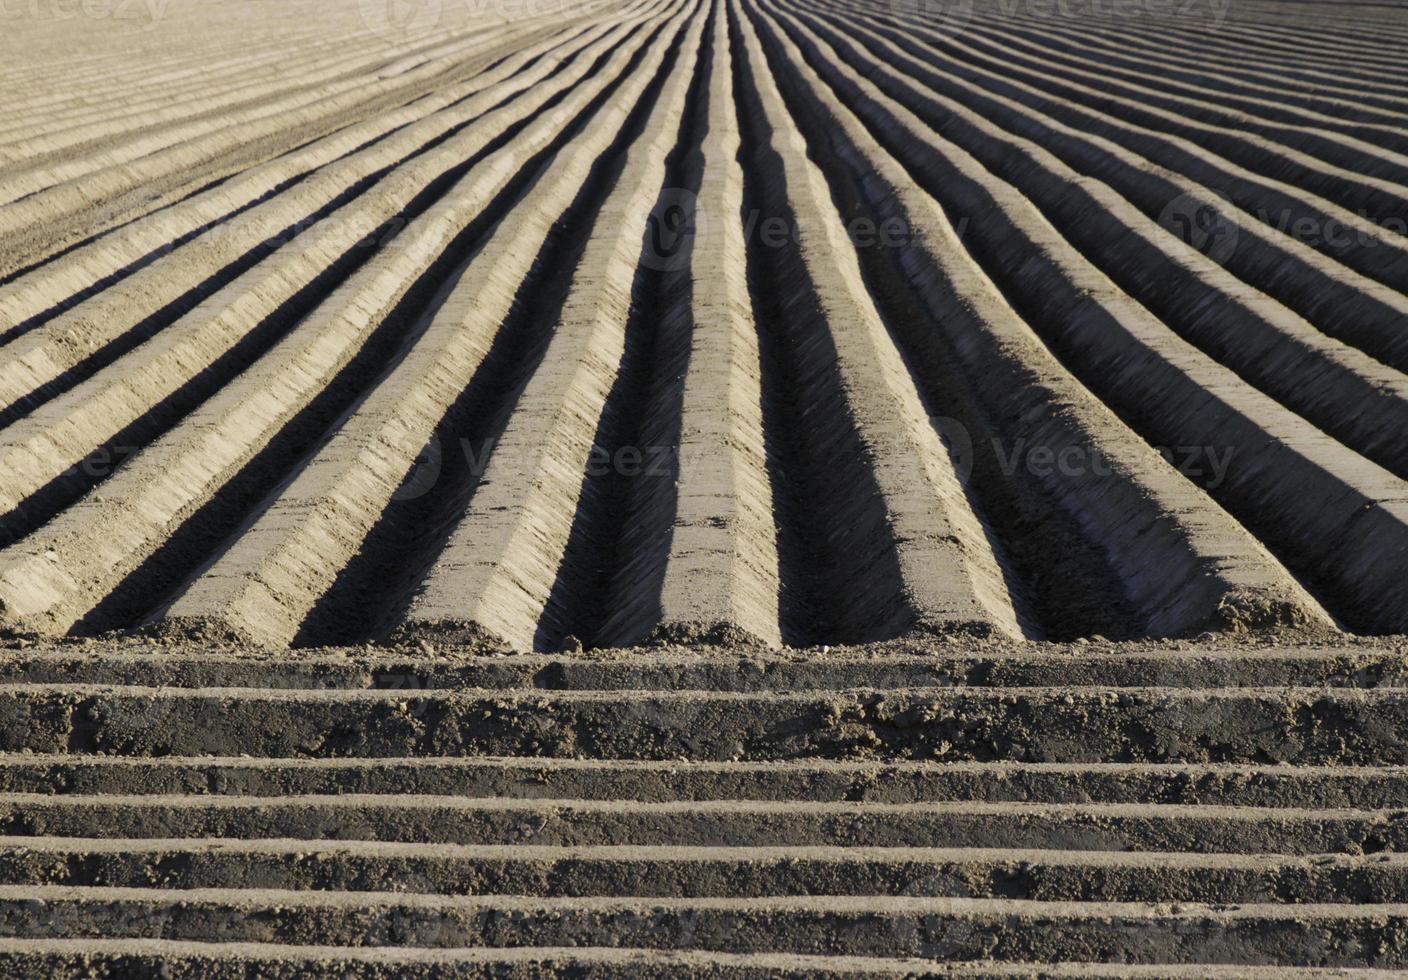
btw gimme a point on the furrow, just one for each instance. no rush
(100, 82)
(636, 871)
(1257, 38)
(1089, 829)
(1066, 724)
(270, 580)
(221, 84)
(52, 221)
(900, 665)
(722, 569)
(1269, 255)
(823, 781)
(1350, 237)
(139, 509)
(1260, 40)
(1300, 491)
(1144, 515)
(910, 553)
(119, 401)
(701, 553)
(500, 570)
(954, 929)
(1293, 84)
(122, 959)
(116, 89)
(111, 321)
(51, 165)
(112, 142)
(32, 297)
(704, 488)
(1348, 125)
(1342, 391)
(1368, 180)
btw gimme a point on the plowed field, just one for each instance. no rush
(703, 487)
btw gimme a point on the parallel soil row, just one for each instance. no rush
(704, 488)
(869, 811)
(779, 323)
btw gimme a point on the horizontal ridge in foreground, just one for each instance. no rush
(136, 959)
(683, 871)
(1272, 786)
(956, 929)
(726, 816)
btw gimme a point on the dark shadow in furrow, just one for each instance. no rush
(1282, 211)
(210, 529)
(189, 549)
(1283, 124)
(1347, 120)
(1238, 93)
(1372, 108)
(16, 330)
(823, 487)
(960, 199)
(627, 500)
(1334, 306)
(172, 311)
(371, 595)
(1199, 312)
(64, 490)
(1378, 205)
(1055, 573)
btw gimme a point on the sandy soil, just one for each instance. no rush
(703, 488)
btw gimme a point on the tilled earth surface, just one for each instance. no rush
(703, 487)
(975, 809)
(770, 322)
